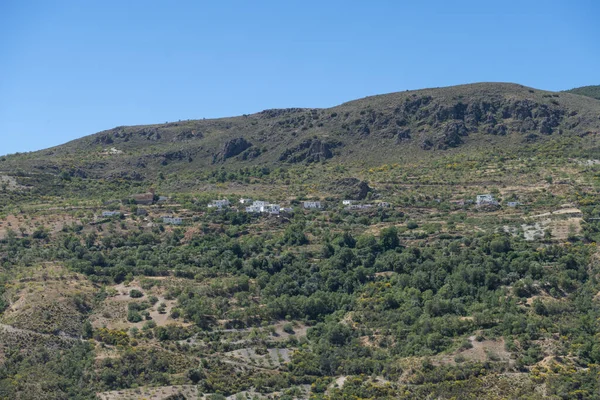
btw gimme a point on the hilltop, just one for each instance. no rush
(589, 91)
(370, 131)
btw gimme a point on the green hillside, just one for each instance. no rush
(452, 254)
(589, 91)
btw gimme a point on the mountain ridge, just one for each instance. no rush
(373, 129)
(592, 91)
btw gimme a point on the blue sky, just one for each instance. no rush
(72, 68)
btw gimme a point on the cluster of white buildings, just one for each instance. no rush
(260, 206)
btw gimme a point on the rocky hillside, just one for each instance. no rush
(374, 130)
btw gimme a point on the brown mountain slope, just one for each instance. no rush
(372, 130)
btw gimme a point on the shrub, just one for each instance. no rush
(289, 328)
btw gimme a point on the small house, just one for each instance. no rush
(271, 209)
(312, 204)
(245, 201)
(110, 213)
(172, 220)
(384, 204)
(486, 199)
(263, 207)
(219, 204)
(348, 202)
(513, 203)
(253, 209)
(359, 206)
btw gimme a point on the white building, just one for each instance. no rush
(312, 204)
(271, 209)
(358, 206)
(263, 207)
(513, 203)
(485, 199)
(348, 202)
(253, 209)
(172, 220)
(384, 204)
(110, 213)
(219, 204)
(245, 201)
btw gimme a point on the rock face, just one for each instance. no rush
(444, 125)
(350, 188)
(310, 150)
(231, 149)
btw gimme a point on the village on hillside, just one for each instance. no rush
(262, 207)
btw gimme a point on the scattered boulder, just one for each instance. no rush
(188, 134)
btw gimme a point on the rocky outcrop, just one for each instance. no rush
(446, 126)
(232, 148)
(310, 150)
(187, 134)
(402, 135)
(350, 188)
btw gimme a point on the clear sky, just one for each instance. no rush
(73, 68)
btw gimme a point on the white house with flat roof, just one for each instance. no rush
(172, 220)
(263, 207)
(219, 204)
(110, 213)
(358, 206)
(312, 204)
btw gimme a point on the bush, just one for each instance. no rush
(134, 316)
(289, 328)
(136, 294)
